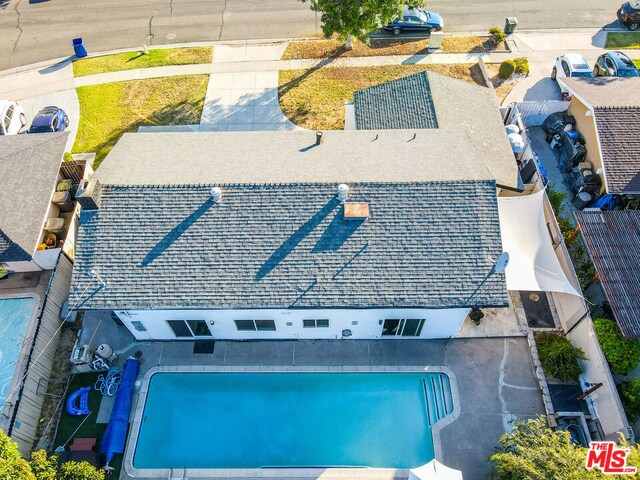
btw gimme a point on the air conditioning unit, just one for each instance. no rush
(346, 333)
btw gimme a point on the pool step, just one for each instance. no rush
(438, 396)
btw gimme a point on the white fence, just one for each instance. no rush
(534, 113)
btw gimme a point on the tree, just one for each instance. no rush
(41, 466)
(12, 465)
(79, 471)
(533, 451)
(356, 18)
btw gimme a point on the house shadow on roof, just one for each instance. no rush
(175, 233)
(296, 237)
(11, 251)
(338, 232)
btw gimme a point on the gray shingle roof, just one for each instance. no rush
(613, 241)
(429, 100)
(291, 157)
(605, 91)
(284, 246)
(403, 103)
(620, 145)
(29, 166)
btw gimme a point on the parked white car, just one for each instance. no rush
(571, 65)
(12, 117)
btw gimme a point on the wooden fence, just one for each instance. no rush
(25, 412)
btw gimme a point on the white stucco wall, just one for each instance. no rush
(364, 324)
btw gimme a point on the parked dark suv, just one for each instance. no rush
(629, 15)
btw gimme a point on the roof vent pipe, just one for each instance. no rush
(343, 192)
(216, 194)
(318, 137)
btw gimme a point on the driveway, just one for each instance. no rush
(67, 100)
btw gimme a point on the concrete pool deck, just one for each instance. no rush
(495, 378)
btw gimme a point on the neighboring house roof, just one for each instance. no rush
(620, 147)
(291, 157)
(431, 101)
(288, 246)
(403, 103)
(605, 91)
(29, 166)
(613, 241)
(615, 102)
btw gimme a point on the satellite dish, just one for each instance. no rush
(502, 262)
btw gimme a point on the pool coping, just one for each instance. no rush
(280, 473)
(21, 360)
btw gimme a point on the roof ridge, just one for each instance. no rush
(288, 184)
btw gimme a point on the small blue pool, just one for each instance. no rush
(14, 319)
(256, 420)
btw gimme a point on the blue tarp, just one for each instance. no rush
(116, 434)
(605, 202)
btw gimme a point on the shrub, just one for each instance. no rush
(559, 357)
(507, 68)
(497, 35)
(623, 354)
(630, 396)
(555, 198)
(522, 65)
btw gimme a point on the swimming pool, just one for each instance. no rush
(285, 420)
(15, 314)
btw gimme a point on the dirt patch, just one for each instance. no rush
(56, 388)
(388, 46)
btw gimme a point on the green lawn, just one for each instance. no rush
(623, 40)
(109, 110)
(131, 60)
(89, 429)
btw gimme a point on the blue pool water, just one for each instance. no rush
(253, 420)
(14, 318)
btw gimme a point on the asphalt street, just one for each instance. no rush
(37, 30)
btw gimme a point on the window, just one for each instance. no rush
(412, 20)
(180, 328)
(315, 323)
(565, 67)
(242, 325)
(402, 327)
(253, 325)
(137, 324)
(189, 328)
(7, 117)
(265, 325)
(199, 328)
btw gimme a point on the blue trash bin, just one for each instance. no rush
(79, 48)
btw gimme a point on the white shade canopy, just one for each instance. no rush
(533, 265)
(434, 470)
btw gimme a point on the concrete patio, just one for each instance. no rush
(495, 376)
